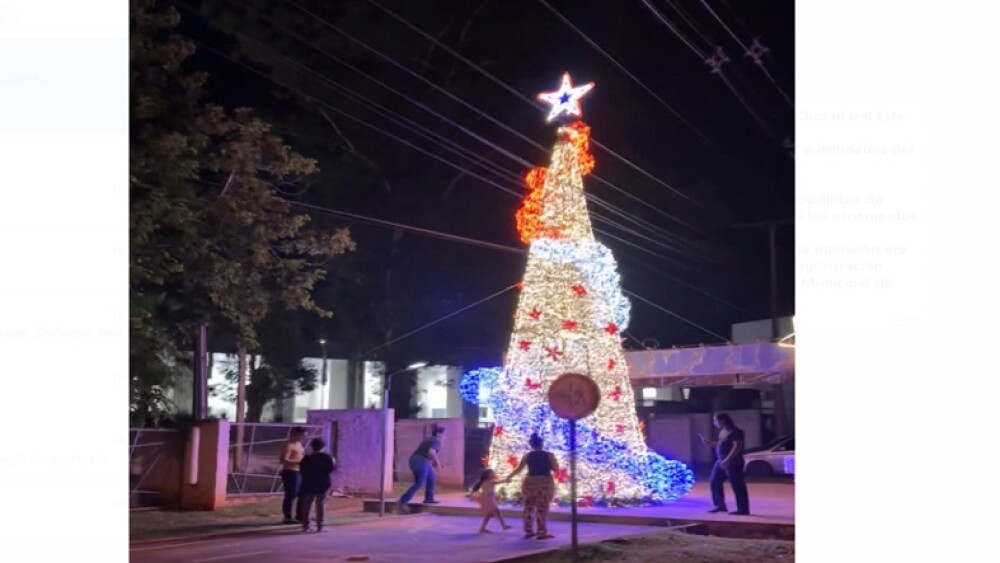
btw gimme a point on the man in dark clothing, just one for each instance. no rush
(729, 465)
(315, 469)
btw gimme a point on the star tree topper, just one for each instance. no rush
(565, 100)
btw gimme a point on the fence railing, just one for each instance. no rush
(151, 452)
(254, 450)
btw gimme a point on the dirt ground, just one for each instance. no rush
(675, 547)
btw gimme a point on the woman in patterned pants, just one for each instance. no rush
(538, 487)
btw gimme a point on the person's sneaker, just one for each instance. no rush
(289, 521)
(529, 535)
(319, 528)
(432, 501)
(545, 536)
(716, 509)
(741, 512)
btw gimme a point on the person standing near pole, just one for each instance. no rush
(729, 465)
(423, 463)
(538, 487)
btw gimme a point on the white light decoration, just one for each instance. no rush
(569, 318)
(565, 100)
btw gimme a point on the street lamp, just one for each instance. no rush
(385, 430)
(324, 397)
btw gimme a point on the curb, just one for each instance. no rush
(269, 529)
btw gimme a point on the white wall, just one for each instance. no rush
(753, 331)
(295, 409)
(437, 392)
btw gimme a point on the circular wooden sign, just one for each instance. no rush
(574, 396)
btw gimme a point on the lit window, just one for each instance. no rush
(649, 393)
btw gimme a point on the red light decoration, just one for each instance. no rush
(611, 364)
(610, 488)
(535, 314)
(611, 329)
(616, 393)
(498, 430)
(524, 345)
(562, 475)
(620, 428)
(531, 385)
(569, 325)
(579, 290)
(529, 216)
(553, 352)
(512, 461)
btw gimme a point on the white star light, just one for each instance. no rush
(566, 99)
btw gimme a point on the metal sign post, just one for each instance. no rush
(573, 396)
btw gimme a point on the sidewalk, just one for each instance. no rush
(424, 538)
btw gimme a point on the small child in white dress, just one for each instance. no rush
(483, 491)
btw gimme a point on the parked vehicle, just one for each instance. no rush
(770, 459)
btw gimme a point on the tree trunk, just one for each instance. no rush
(241, 394)
(255, 409)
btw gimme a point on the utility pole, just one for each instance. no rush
(772, 231)
(780, 424)
(199, 408)
(324, 398)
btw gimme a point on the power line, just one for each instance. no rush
(675, 315)
(418, 230)
(756, 54)
(715, 61)
(484, 114)
(623, 69)
(477, 159)
(524, 98)
(362, 122)
(442, 319)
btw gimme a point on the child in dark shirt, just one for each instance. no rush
(315, 469)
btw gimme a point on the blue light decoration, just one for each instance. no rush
(471, 382)
(667, 480)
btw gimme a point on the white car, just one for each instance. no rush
(771, 459)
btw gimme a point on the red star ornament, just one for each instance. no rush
(531, 385)
(611, 329)
(535, 314)
(579, 290)
(553, 352)
(498, 430)
(524, 345)
(512, 461)
(620, 428)
(611, 364)
(562, 475)
(616, 393)
(569, 325)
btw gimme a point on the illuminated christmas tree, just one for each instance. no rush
(570, 318)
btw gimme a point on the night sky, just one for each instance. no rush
(735, 169)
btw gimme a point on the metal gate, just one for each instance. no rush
(151, 450)
(253, 466)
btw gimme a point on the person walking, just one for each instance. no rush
(315, 469)
(483, 491)
(289, 458)
(538, 487)
(423, 462)
(728, 465)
